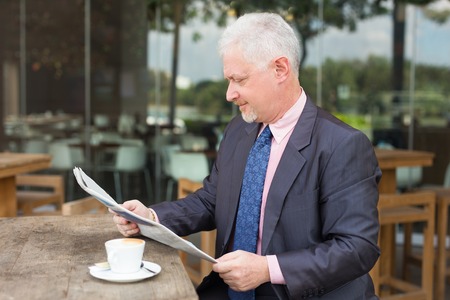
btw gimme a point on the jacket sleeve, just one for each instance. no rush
(345, 202)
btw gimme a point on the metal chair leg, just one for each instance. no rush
(118, 187)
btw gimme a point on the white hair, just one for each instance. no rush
(262, 37)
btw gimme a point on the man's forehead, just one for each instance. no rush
(235, 73)
(236, 67)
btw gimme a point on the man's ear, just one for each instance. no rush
(282, 67)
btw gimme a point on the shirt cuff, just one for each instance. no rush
(276, 277)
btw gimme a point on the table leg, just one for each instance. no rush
(441, 261)
(375, 275)
(387, 259)
(8, 207)
(388, 184)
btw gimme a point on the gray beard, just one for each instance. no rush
(250, 117)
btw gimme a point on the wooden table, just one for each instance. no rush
(47, 257)
(389, 160)
(12, 164)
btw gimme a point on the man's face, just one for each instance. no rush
(249, 87)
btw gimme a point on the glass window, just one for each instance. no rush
(99, 74)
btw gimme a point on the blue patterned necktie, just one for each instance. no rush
(247, 220)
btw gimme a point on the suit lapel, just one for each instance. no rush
(243, 147)
(291, 164)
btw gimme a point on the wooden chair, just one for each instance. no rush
(83, 206)
(197, 271)
(34, 191)
(406, 208)
(442, 269)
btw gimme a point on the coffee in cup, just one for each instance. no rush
(125, 254)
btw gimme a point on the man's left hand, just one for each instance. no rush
(242, 271)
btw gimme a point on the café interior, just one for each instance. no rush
(83, 84)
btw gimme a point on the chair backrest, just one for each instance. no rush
(196, 271)
(189, 165)
(408, 177)
(36, 146)
(61, 156)
(193, 142)
(157, 143)
(166, 154)
(56, 182)
(131, 158)
(35, 191)
(83, 206)
(187, 186)
(101, 121)
(77, 156)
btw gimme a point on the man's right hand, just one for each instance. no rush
(126, 227)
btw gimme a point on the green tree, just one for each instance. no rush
(304, 16)
(168, 16)
(364, 80)
(208, 96)
(398, 49)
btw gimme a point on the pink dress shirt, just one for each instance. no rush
(281, 131)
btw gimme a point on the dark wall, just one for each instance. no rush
(55, 47)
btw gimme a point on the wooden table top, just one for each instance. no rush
(393, 158)
(15, 163)
(47, 257)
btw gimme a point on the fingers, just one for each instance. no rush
(125, 227)
(225, 263)
(241, 270)
(120, 220)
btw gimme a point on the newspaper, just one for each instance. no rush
(149, 228)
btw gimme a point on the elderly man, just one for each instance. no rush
(293, 192)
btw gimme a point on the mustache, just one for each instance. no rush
(239, 103)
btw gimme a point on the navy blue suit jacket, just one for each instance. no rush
(321, 217)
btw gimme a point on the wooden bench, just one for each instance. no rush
(36, 190)
(83, 206)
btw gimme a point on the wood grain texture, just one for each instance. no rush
(47, 257)
(12, 164)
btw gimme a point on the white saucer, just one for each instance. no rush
(108, 275)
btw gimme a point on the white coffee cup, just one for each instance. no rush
(125, 254)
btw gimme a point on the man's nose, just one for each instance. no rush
(232, 94)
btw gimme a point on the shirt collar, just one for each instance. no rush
(286, 124)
